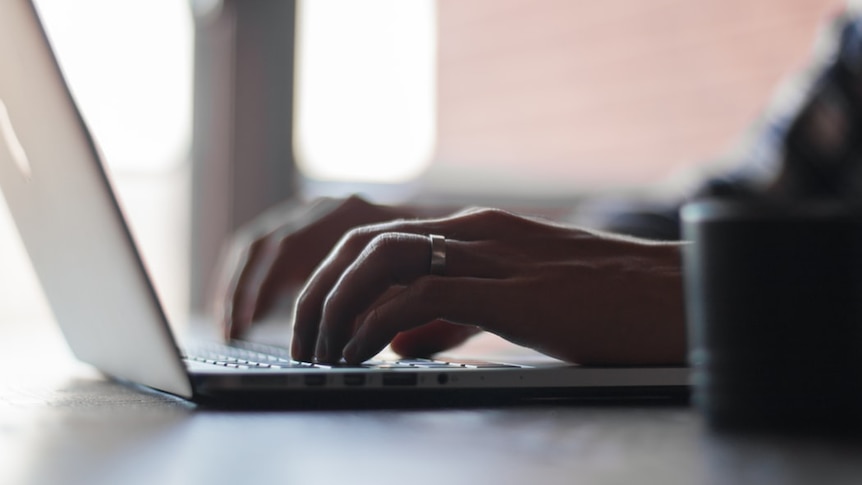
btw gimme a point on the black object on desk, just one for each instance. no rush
(774, 302)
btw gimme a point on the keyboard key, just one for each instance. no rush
(254, 356)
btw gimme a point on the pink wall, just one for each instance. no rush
(611, 91)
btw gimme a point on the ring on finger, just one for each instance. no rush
(438, 254)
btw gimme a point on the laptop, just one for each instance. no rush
(74, 231)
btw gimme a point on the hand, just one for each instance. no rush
(572, 294)
(274, 255)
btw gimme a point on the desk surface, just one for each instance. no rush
(64, 423)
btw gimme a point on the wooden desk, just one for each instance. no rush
(68, 425)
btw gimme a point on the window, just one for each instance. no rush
(365, 90)
(542, 98)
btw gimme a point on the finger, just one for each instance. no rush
(245, 289)
(281, 279)
(432, 338)
(301, 251)
(310, 304)
(390, 259)
(247, 285)
(303, 241)
(468, 301)
(225, 281)
(232, 263)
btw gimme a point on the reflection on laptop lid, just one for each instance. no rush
(86, 260)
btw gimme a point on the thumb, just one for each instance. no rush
(429, 339)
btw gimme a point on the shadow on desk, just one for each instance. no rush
(64, 423)
(88, 430)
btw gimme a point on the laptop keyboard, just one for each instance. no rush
(244, 355)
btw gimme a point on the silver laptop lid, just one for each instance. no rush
(61, 201)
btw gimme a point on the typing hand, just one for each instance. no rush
(272, 257)
(569, 293)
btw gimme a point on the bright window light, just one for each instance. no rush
(365, 93)
(129, 65)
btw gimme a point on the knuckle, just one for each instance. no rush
(349, 242)
(354, 201)
(386, 250)
(256, 245)
(466, 211)
(487, 215)
(383, 242)
(494, 214)
(259, 246)
(302, 301)
(352, 235)
(355, 238)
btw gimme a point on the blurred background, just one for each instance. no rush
(211, 110)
